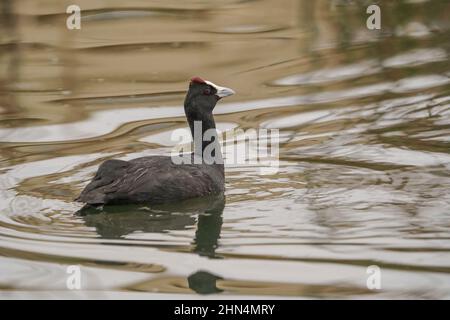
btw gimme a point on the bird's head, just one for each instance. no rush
(203, 95)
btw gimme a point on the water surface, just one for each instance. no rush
(364, 119)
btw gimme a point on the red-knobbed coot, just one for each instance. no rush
(157, 179)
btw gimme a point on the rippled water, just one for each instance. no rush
(364, 119)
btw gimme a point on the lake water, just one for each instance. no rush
(363, 178)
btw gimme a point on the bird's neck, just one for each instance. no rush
(204, 134)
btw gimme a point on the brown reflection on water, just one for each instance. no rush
(206, 283)
(364, 120)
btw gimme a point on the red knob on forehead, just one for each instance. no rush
(197, 80)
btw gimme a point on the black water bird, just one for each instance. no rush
(158, 179)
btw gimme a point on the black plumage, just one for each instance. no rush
(157, 179)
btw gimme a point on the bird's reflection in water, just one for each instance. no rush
(203, 282)
(114, 222)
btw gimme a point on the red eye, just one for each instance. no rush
(207, 92)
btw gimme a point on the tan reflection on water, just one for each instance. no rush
(364, 118)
